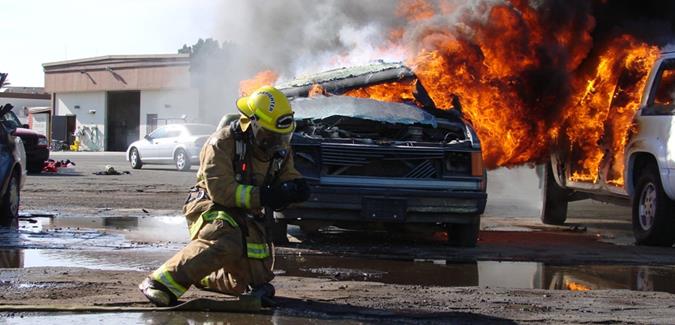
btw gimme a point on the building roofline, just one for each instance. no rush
(6, 94)
(137, 57)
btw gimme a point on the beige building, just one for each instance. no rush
(111, 101)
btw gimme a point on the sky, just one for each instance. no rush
(39, 31)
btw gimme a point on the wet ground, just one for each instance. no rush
(128, 225)
(143, 243)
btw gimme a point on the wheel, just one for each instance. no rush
(135, 159)
(554, 201)
(9, 204)
(653, 218)
(465, 234)
(34, 168)
(182, 160)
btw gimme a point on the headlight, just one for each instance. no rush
(463, 163)
(42, 142)
(457, 163)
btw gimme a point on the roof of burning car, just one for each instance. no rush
(342, 79)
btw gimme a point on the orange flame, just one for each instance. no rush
(523, 98)
(263, 78)
(415, 10)
(573, 286)
(486, 66)
(599, 120)
(316, 90)
(400, 91)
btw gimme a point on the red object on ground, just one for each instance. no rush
(52, 166)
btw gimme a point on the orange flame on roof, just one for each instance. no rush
(263, 78)
(400, 91)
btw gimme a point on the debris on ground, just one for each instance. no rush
(54, 166)
(110, 170)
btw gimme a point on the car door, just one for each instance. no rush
(148, 147)
(167, 143)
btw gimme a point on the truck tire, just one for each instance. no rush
(9, 203)
(554, 199)
(465, 234)
(653, 211)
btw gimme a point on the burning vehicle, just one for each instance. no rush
(381, 163)
(637, 168)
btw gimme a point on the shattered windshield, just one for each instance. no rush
(321, 107)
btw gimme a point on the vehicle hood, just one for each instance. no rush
(340, 81)
(28, 133)
(321, 107)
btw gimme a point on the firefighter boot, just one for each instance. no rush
(157, 293)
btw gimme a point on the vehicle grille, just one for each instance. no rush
(29, 142)
(353, 160)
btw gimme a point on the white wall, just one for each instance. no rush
(20, 103)
(169, 104)
(87, 120)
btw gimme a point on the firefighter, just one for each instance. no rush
(245, 167)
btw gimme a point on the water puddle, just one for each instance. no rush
(525, 275)
(143, 243)
(95, 233)
(277, 317)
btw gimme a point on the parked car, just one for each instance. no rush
(35, 144)
(649, 172)
(12, 172)
(177, 144)
(383, 164)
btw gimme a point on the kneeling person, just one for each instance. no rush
(244, 167)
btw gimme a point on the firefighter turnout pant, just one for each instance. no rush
(216, 258)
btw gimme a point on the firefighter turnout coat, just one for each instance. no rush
(229, 250)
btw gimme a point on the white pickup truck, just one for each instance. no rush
(649, 172)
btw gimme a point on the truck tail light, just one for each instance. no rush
(477, 164)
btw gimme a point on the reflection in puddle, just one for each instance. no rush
(20, 258)
(527, 275)
(122, 243)
(277, 318)
(140, 229)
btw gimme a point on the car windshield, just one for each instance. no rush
(322, 107)
(200, 129)
(11, 120)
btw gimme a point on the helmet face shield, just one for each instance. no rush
(270, 142)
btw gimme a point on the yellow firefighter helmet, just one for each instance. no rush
(268, 108)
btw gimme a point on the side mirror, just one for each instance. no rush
(147, 137)
(25, 126)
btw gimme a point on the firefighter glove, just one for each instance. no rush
(275, 197)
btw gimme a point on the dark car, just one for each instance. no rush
(35, 144)
(10, 169)
(375, 163)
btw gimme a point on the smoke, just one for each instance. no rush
(525, 56)
(293, 36)
(296, 36)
